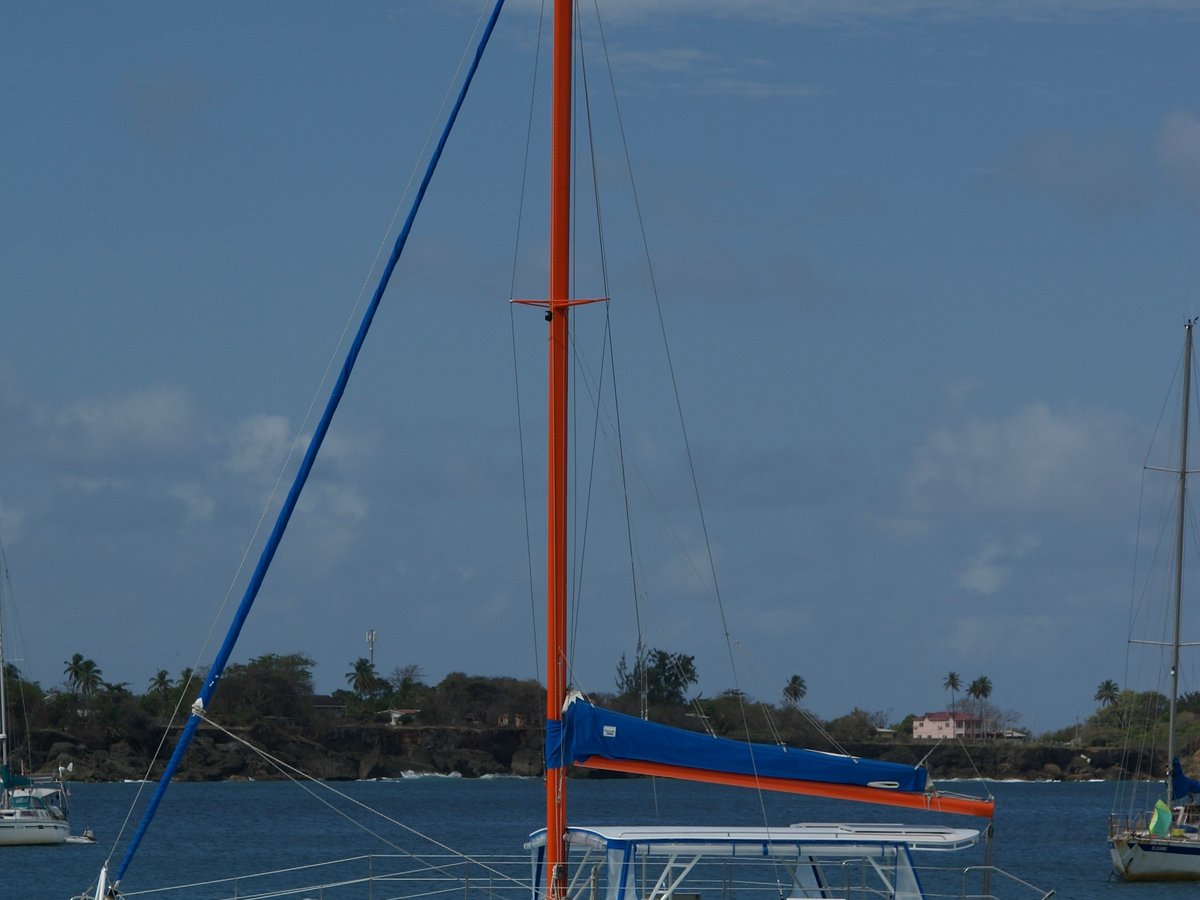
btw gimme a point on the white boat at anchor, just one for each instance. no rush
(33, 809)
(1163, 843)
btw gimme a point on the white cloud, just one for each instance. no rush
(258, 446)
(1100, 177)
(982, 637)
(328, 523)
(958, 391)
(707, 74)
(196, 501)
(1179, 152)
(753, 87)
(846, 11)
(1034, 460)
(154, 419)
(85, 485)
(987, 572)
(664, 59)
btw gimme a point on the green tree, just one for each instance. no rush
(271, 685)
(160, 683)
(187, 686)
(657, 676)
(461, 699)
(90, 680)
(857, 725)
(794, 691)
(1107, 693)
(363, 679)
(979, 690)
(406, 684)
(25, 702)
(74, 672)
(160, 691)
(83, 676)
(953, 684)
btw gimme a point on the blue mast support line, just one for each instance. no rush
(310, 456)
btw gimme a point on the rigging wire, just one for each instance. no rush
(10, 613)
(303, 779)
(611, 355)
(305, 467)
(1139, 718)
(512, 293)
(712, 572)
(666, 347)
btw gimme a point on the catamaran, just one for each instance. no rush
(578, 861)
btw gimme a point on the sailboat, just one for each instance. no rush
(572, 860)
(1163, 844)
(33, 809)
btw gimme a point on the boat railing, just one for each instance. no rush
(987, 877)
(394, 877)
(938, 883)
(868, 877)
(1121, 823)
(374, 876)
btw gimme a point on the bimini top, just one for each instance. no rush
(759, 841)
(38, 793)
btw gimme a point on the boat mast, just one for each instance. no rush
(3, 696)
(557, 312)
(1179, 523)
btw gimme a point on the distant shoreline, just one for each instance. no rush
(354, 752)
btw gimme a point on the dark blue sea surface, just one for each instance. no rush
(1050, 834)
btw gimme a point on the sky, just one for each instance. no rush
(923, 270)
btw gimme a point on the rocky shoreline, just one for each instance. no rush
(349, 752)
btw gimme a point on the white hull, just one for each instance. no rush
(1143, 857)
(18, 830)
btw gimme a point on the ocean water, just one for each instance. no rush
(1050, 834)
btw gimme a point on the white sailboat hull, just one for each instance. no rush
(18, 828)
(1144, 857)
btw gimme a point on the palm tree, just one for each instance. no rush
(73, 671)
(794, 691)
(160, 685)
(1107, 693)
(88, 679)
(362, 678)
(953, 684)
(980, 689)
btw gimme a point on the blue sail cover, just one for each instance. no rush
(588, 730)
(1181, 785)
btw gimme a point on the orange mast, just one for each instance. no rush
(557, 306)
(556, 542)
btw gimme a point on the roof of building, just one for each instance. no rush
(946, 716)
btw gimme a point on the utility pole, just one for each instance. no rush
(371, 645)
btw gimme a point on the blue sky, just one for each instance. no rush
(924, 269)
